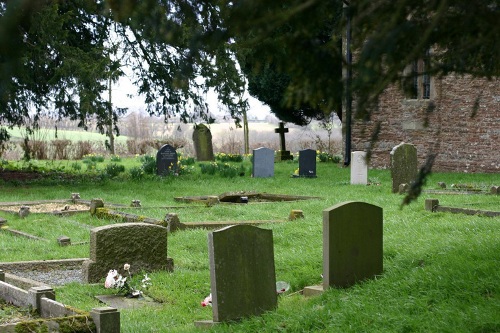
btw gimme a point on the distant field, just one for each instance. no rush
(77, 135)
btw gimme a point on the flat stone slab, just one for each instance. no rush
(235, 197)
(122, 302)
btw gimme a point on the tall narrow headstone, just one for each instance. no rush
(263, 163)
(404, 165)
(307, 163)
(283, 154)
(242, 272)
(359, 168)
(202, 139)
(166, 160)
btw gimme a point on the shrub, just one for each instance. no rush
(76, 166)
(115, 158)
(223, 157)
(114, 169)
(93, 158)
(136, 173)
(209, 169)
(148, 164)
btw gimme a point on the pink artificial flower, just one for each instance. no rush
(111, 279)
(207, 301)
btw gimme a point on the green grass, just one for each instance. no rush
(441, 270)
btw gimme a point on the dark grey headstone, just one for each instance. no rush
(242, 273)
(263, 163)
(307, 163)
(202, 140)
(352, 243)
(166, 160)
(142, 245)
(404, 165)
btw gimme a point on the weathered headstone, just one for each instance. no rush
(352, 245)
(307, 163)
(263, 163)
(359, 168)
(242, 272)
(404, 165)
(202, 140)
(142, 245)
(166, 161)
(283, 154)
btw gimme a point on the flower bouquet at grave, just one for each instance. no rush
(125, 284)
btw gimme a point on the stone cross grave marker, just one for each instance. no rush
(263, 163)
(283, 154)
(242, 272)
(166, 160)
(404, 165)
(142, 245)
(359, 168)
(307, 163)
(352, 245)
(202, 139)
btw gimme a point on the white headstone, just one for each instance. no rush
(359, 168)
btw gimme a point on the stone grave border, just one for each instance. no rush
(433, 206)
(55, 314)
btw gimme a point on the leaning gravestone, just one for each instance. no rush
(307, 163)
(263, 163)
(202, 139)
(352, 245)
(359, 168)
(142, 245)
(166, 160)
(404, 165)
(242, 273)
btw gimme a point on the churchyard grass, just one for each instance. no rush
(440, 269)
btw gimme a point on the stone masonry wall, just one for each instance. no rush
(445, 124)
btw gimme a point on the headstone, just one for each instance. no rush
(202, 139)
(404, 165)
(166, 161)
(242, 272)
(263, 163)
(283, 154)
(352, 245)
(307, 163)
(359, 168)
(142, 245)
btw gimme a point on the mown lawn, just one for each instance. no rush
(441, 270)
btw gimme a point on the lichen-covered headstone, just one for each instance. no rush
(242, 272)
(352, 243)
(263, 163)
(202, 140)
(141, 245)
(404, 165)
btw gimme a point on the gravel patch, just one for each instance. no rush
(57, 277)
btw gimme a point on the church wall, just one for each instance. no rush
(461, 123)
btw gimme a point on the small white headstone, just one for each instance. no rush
(359, 168)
